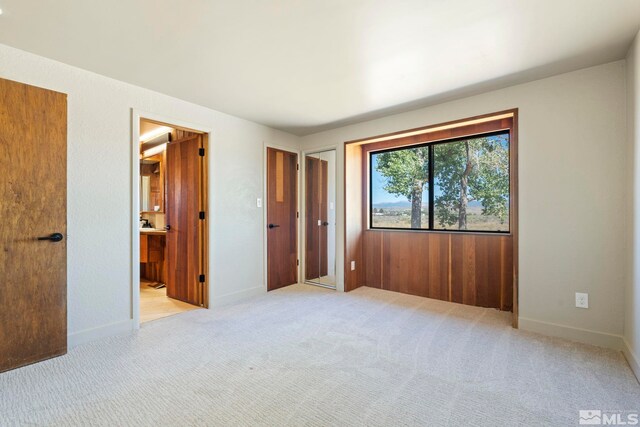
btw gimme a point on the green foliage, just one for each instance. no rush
(448, 158)
(486, 161)
(481, 163)
(407, 172)
(404, 170)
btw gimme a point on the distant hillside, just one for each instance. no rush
(388, 205)
(407, 204)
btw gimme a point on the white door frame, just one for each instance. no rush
(136, 115)
(303, 211)
(265, 272)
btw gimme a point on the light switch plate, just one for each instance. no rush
(582, 300)
(353, 265)
(259, 202)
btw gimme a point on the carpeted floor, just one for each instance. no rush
(311, 356)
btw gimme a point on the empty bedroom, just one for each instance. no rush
(320, 213)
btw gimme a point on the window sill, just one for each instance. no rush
(473, 233)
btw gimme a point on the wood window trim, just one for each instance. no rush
(473, 130)
(356, 163)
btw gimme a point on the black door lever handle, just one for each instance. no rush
(55, 237)
(273, 225)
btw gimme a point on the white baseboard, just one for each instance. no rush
(78, 338)
(126, 326)
(586, 336)
(218, 301)
(632, 358)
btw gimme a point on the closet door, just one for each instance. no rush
(320, 218)
(312, 256)
(282, 223)
(323, 218)
(316, 208)
(33, 208)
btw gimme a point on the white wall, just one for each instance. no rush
(573, 193)
(632, 294)
(99, 190)
(572, 152)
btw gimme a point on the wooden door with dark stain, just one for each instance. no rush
(317, 218)
(33, 204)
(183, 241)
(312, 216)
(282, 228)
(323, 209)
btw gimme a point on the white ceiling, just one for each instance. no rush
(309, 65)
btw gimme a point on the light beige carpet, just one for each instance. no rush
(311, 356)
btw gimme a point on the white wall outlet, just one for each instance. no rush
(259, 202)
(582, 300)
(353, 265)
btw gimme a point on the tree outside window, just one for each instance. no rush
(469, 180)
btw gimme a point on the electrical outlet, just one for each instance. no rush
(582, 300)
(259, 202)
(353, 265)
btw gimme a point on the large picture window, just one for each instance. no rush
(453, 185)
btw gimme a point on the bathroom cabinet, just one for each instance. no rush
(152, 258)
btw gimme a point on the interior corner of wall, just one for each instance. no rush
(632, 358)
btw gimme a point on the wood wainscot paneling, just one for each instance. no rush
(464, 267)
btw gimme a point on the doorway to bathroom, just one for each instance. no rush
(172, 231)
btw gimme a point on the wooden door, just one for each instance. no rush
(316, 224)
(282, 225)
(33, 204)
(184, 240)
(312, 216)
(323, 213)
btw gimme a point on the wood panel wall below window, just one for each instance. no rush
(472, 269)
(468, 268)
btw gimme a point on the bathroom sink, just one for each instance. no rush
(148, 230)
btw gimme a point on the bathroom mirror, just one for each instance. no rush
(320, 218)
(152, 184)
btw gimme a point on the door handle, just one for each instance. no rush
(167, 227)
(55, 237)
(325, 223)
(273, 225)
